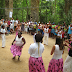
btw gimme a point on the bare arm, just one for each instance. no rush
(52, 51)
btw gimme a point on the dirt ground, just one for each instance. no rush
(9, 65)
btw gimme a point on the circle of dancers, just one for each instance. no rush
(59, 32)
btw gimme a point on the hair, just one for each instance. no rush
(20, 32)
(59, 41)
(2, 26)
(38, 37)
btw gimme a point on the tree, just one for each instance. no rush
(8, 8)
(34, 10)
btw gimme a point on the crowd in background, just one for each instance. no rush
(30, 27)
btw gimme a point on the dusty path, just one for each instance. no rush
(8, 65)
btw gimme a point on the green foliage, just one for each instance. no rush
(47, 11)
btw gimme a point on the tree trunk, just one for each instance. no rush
(27, 11)
(34, 10)
(68, 4)
(8, 8)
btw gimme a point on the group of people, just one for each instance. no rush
(36, 49)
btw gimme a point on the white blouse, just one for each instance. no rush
(57, 53)
(33, 50)
(3, 31)
(19, 41)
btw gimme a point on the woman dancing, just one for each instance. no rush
(35, 51)
(56, 63)
(17, 45)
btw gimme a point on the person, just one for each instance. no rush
(22, 26)
(53, 30)
(18, 28)
(60, 33)
(17, 45)
(56, 63)
(69, 30)
(46, 35)
(68, 62)
(5, 24)
(11, 27)
(26, 30)
(35, 50)
(3, 32)
(12, 23)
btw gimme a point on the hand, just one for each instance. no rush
(66, 41)
(65, 44)
(12, 43)
(21, 46)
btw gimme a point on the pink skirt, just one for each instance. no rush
(16, 50)
(36, 65)
(16, 33)
(55, 65)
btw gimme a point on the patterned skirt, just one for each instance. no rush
(16, 50)
(36, 65)
(55, 65)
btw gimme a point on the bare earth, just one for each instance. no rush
(9, 65)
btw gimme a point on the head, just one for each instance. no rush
(3, 26)
(59, 41)
(12, 18)
(4, 21)
(49, 22)
(19, 34)
(38, 37)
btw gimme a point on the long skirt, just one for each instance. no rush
(16, 50)
(55, 65)
(68, 64)
(36, 65)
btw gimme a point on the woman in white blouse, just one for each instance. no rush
(35, 51)
(3, 32)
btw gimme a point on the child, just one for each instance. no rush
(3, 32)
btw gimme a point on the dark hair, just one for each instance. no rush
(20, 32)
(2, 26)
(38, 37)
(59, 41)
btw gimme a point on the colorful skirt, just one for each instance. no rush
(68, 64)
(16, 33)
(36, 65)
(16, 50)
(55, 65)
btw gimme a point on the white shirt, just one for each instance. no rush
(3, 31)
(33, 50)
(59, 34)
(19, 41)
(11, 26)
(57, 53)
(46, 30)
